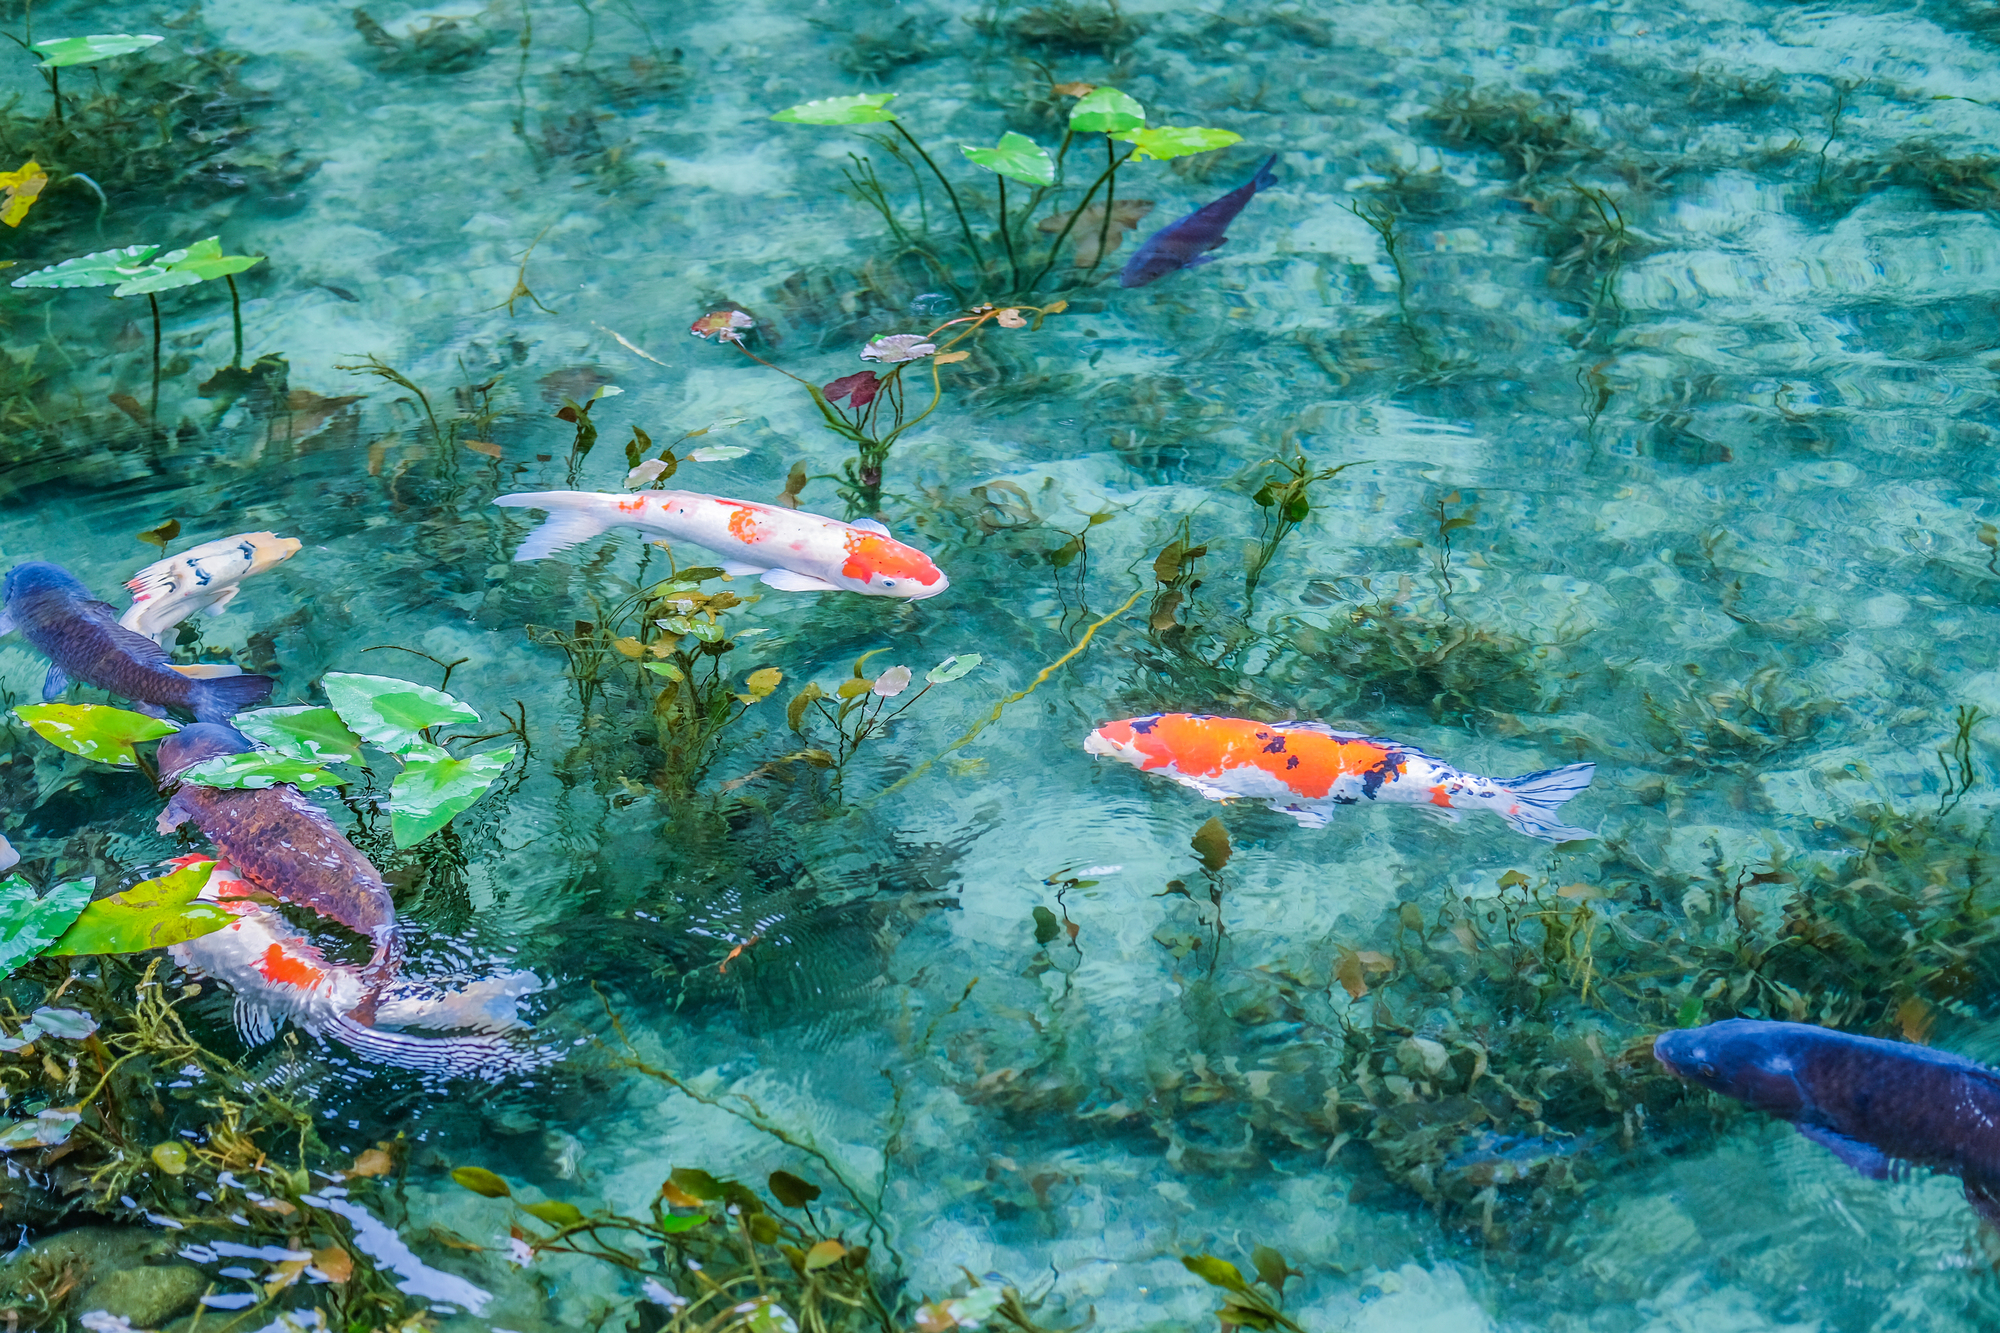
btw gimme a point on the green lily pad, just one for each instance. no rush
(958, 664)
(257, 770)
(430, 791)
(95, 731)
(149, 915)
(857, 109)
(391, 713)
(1017, 157)
(184, 268)
(28, 924)
(1106, 111)
(1176, 141)
(93, 270)
(313, 734)
(59, 52)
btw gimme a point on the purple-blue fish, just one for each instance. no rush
(1190, 241)
(83, 641)
(1880, 1106)
(279, 842)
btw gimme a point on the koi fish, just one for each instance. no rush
(1188, 242)
(280, 842)
(1308, 770)
(1882, 1107)
(82, 638)
(279, 976)
(791, 550)
(202, 578)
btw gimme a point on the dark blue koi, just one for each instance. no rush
(1191, 240)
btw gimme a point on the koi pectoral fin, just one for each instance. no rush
(1870, 1161)
(6, 623)
(1306, 818)
(869, 525)
(786, 580)
(744, 569)
(57, 682)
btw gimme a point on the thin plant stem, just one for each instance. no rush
(1110, 204)
(978, 257)
(55, 95)
(1007, 235)
(1055, 249)
(235, 317)
(154, 301)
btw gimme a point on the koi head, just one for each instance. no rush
(1120, 740)
(1750, 1061)
(192, 744)
(262, 550)
(885, 567)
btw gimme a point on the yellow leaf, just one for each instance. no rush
(487, 447)
(761, 682)
(1583, 891)
(284, 1275)
(630, 647)
(825, 1255)
(795, 712)
(22, 187)
(947, 358)
(373, 1162)
(336, 1263)
(678, 1197)
(1055, 307)
(1513, 879)
(853, 686)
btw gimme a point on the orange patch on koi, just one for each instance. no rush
(285, 970)
(743, 525)
(1304, 761)
(1439, 796)
(869, 555)
(633, 505)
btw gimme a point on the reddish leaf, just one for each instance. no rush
(859, 388)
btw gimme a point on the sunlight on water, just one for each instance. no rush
(1658, 343)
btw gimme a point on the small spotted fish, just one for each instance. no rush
(204, 578)
(1308, 771)
(788, 549)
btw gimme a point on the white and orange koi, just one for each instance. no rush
(278, 976)
(202, 578)
(1308, 771)
(791, 550)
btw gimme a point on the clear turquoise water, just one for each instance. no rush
(1729, 469)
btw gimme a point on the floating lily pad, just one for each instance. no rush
(93, 270)
(257, 770)
(149, 915)
(1017, 157)
(388, 712)
(958, 664)
(432, 789)
(1176, 141)
(60, 52)
(95, 731)
(1106, 111)
(314, 734)
(857, 109)
(29, 924)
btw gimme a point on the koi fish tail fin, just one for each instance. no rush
(1536, 797)
(574, 516)
(1265, 177)
(484, 1055)
(220, 699)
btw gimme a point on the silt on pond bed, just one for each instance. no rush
(1595, 386)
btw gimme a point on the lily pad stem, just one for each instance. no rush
(236, 318)
(951, 194)
(1007, 235)
(154, 302)
(1110, 203)
(1055, 248)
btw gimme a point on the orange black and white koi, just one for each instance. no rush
(1308, 771)
(789, 549)
(277, 976)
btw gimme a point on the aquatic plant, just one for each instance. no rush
(439, 46)
(869, 408)
(141, 270)
(59, 53)
(1114, 115)
(1285, 497)
(859, 708)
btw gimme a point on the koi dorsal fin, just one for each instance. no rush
(870, 525)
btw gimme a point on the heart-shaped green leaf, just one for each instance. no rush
(1176, 141)
(388, 712)
(314, 734)
(1017, 157)
(857, 109)
(257, 770)
(58, 52)
(28, 924)
(184, 268)
(430, 791)
(95, 731)
(93, 270)
(1106, 111)
(149, 915)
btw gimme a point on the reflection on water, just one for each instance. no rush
(1660, 341)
